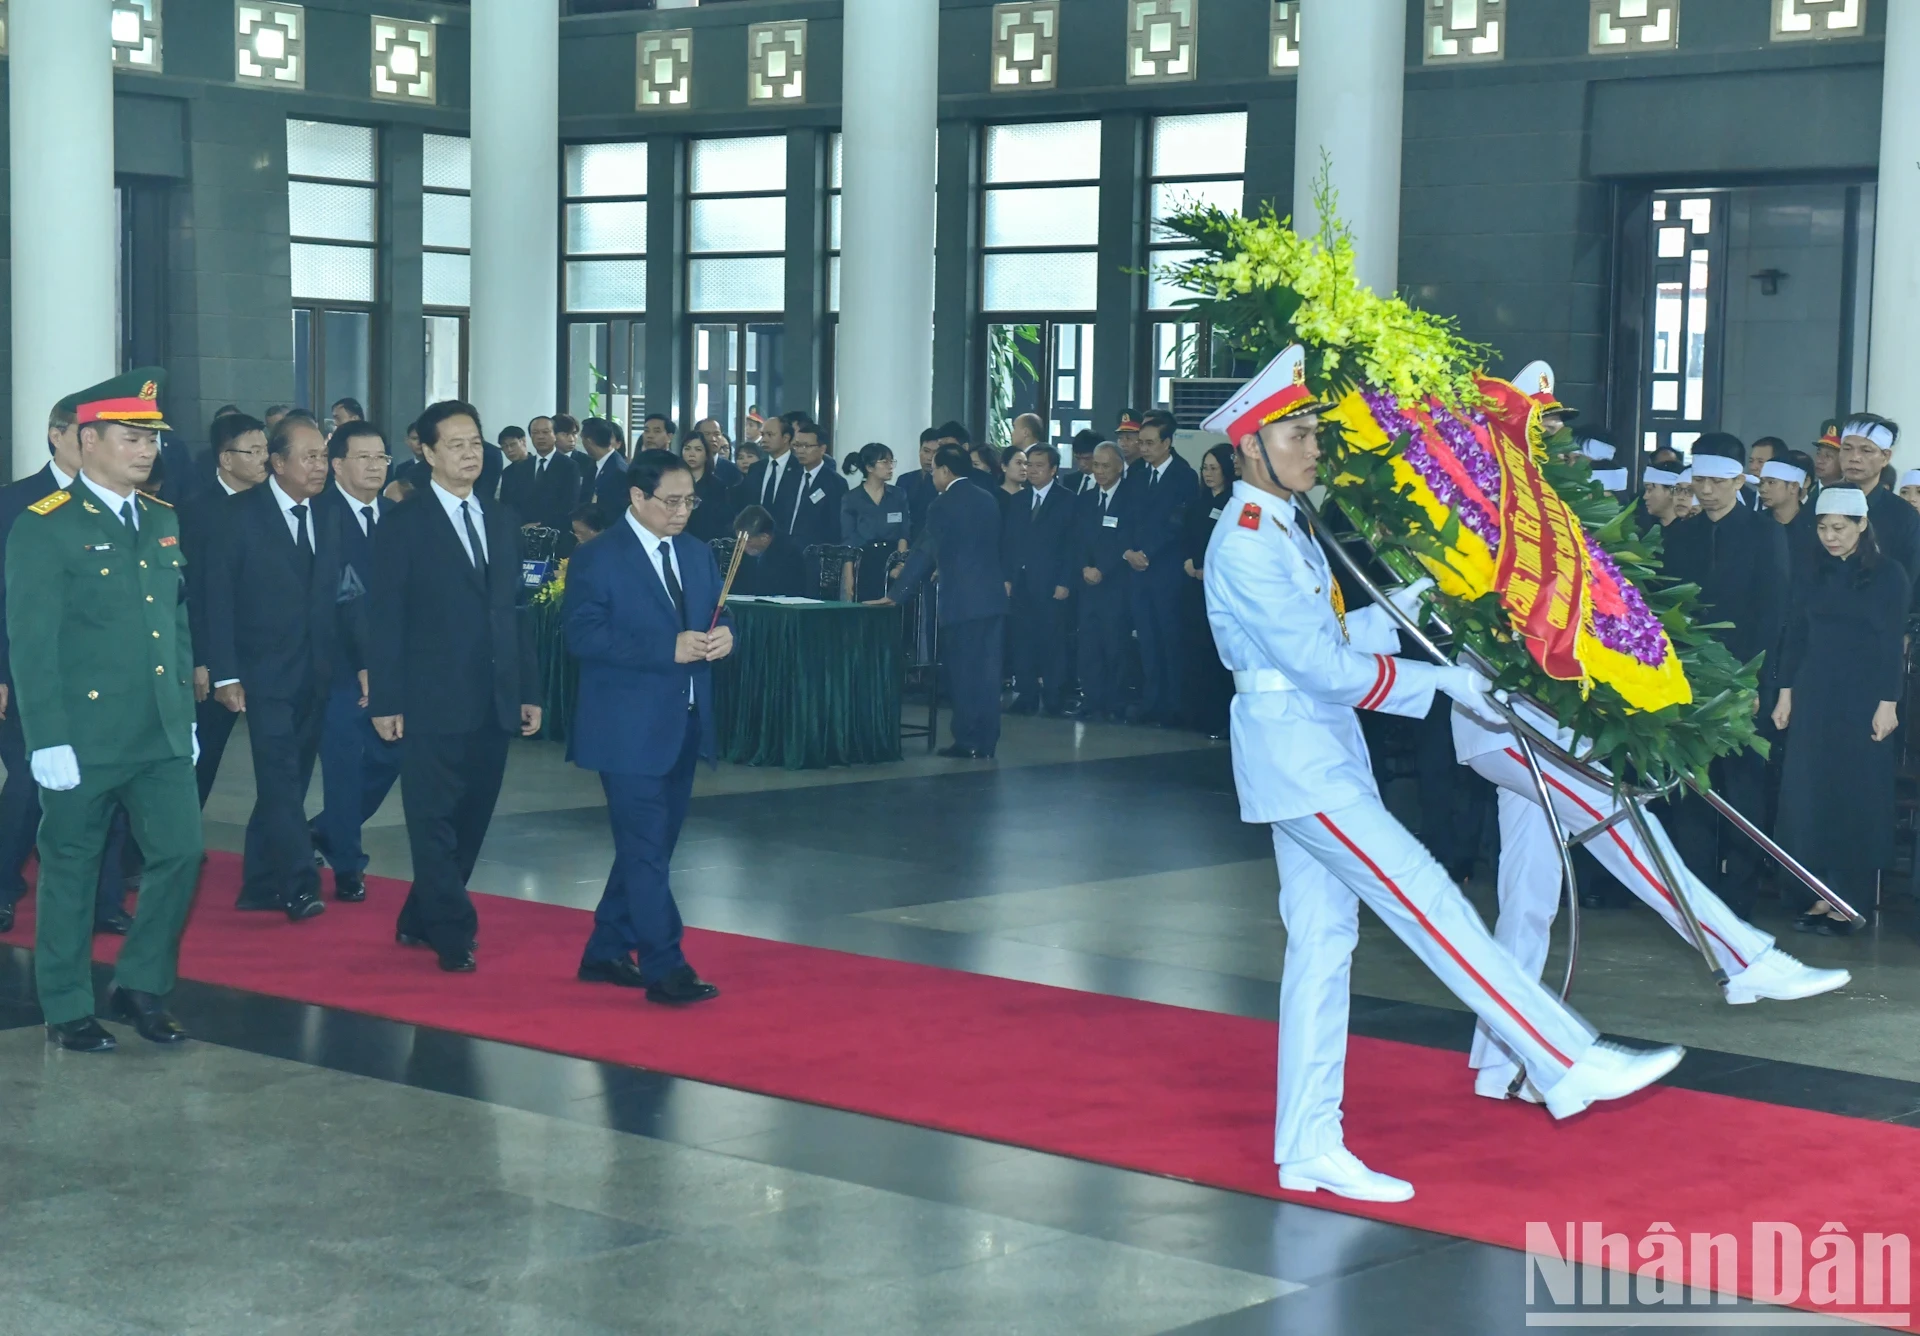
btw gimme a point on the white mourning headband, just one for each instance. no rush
(1911, 478)
(1614, 480)
(1598, 451)
(1879, 433)
(1717, 466)
(1663, 477)
(1775, 468)
(1842, 501)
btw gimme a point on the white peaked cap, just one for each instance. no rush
(1280, 390)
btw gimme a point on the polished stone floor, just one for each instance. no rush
(300, 1170)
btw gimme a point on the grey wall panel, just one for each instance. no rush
(1758, 121)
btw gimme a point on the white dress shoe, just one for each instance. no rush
(1496, 1082)
(1779, 977)
(1609, 1071)
(1341, 1173)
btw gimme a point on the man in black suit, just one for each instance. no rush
(452, 670)
(606, 485)
(1042, 525)
(279, 626)
(20, 799)
(239, 445)
(963, 536)
(1080, 480)
(543, 488)
(774, 483)
(772, 563)
(357, 769)
(1159, 488)
(816, 506)
(1104, 618)
(918, 485)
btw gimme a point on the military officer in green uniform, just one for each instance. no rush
(103, 673)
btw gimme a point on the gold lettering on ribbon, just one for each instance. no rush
(1541, 576)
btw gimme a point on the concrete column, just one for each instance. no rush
(1893, 350)
(65, 226)
(513, 357)
(884, 349)
(1353, 56)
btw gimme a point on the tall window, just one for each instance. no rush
(446, 232)
(606, 280)
(834, 190)
(1039, 234)
(737, 271)
(1682, 380)
(1195, 160)
(332, 197)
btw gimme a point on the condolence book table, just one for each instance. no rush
(809, 684)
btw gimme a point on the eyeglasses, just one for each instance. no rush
(258, 452)
(369, 459)
(686, 503)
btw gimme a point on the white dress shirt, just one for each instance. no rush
(650, 544)
(61, 480)
(358, 506)
(294, 522)
(451, 504)
(111, 501)
(1040, 494)
(230, 491)
(1159, 472)
(770, 484)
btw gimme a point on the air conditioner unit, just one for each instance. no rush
(1194, 400)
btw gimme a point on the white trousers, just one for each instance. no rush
(1530, 875)
(1329, 863)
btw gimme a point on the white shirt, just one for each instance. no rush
(358, 506)
(600, 464)
(541, 461)
(61, 480)
(650, 544)
(112, 502)
(1106, 495)
(230, 491)
(770, 485)
(294, 522)
(1040, 494)
(1160, 471)
(451, 504)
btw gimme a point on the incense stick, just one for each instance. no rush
(733, 569)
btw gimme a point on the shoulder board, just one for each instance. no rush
(149, 496)
(1249, 516)
(46, 505)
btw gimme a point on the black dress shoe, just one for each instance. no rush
(959, 753)
(147, 1015)
(259, 902)
(85, 1035)
(350, 886)
(624, 973)
(458, 962)
(119, 923)
(681, 987)
(6, 918)
(304, 905)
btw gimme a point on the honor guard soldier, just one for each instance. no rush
(1302, 667)
(94, 578)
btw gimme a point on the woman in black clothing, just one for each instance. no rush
(1209, 686)
(713, 517)
(875, 518)
(1840, 684)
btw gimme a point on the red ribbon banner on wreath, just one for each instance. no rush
(1542, 572)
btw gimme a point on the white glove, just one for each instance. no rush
(1469, 690)
(56, 768)
(1409, 601)
(196, 743)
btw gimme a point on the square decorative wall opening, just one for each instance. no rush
(1818, 20)
(777, 62)
(1618, 26)
(136, 35)
(1455, 31)
(1163, 38)
(404, 60)
(1283, 38)
(1026, 46)
(269, 44)
(663, 69)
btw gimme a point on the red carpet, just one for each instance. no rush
(1186, 1094)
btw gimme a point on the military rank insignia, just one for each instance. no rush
(46, 505)
(169, 541)
(1250, 516)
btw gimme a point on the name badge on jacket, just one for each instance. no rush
(1214, 514)
(819, 495)
(1109, 521)
(895, 517)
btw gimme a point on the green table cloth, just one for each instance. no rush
(559, 674)
(810, 685)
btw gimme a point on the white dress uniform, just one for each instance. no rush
(1300, 764)
(1530, 872)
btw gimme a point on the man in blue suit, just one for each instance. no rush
(357, 769)
(963, 536)
(606, 486)
(1155, 503)
(639, 601)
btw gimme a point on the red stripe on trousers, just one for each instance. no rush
(1627, 849)
(1447, 946)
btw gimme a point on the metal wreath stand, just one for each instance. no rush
(1532, 742)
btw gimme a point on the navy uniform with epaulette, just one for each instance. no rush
(103, 674)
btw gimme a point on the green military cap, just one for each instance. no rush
(132, 398)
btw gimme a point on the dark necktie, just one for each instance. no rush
(473, 539)
(366, 514)
(1103, 505)
(674, 591)
(540, 469)
(772, 484)
(1036, 500)
(304, 542)
(126, 515)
